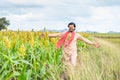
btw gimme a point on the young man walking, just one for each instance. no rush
(69, 39)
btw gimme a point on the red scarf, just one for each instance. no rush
(63, 38)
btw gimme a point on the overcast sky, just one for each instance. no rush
(89, 15)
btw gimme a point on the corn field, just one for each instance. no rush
(24, 55)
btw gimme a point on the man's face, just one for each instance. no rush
(71, 28)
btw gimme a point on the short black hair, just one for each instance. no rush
(72, 23)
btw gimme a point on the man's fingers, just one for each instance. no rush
(97, 45)
(41, 35)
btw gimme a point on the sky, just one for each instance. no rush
(88, 15)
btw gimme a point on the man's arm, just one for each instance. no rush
(55, 35)
(88, 41)
(52, 35)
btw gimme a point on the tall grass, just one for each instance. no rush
(98, 64)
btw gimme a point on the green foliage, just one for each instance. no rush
(4, 23)
(42, 61)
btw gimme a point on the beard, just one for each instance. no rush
(71, 30)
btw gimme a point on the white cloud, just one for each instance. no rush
(88, 15)
(102, 19)
(37, 2)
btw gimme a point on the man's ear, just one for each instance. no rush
(74, 28)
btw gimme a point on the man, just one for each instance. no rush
(69, 39)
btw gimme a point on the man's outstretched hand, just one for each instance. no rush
(97, 45)
(42, 35)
